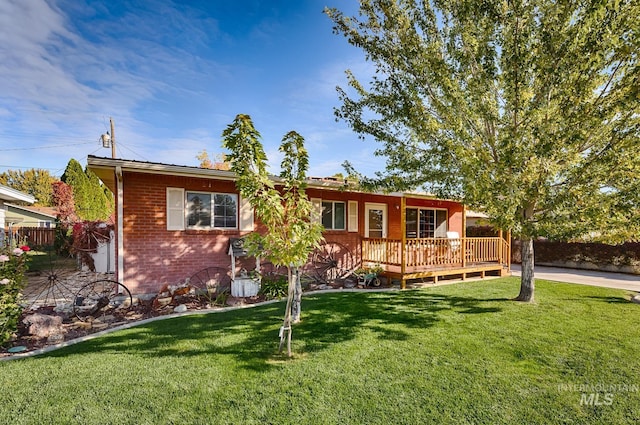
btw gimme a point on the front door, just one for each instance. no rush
(375, 222)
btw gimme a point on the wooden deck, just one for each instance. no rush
(435, 258)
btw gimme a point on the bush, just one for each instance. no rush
(627, 254)
(274, 287)
(481, 232)
(13, 265)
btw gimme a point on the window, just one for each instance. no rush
(333, 215)
(217, 210)
(426, 223)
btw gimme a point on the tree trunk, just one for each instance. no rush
(296, 306)
(527, 280)
(285, 330)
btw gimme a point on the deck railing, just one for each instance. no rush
(428, 252)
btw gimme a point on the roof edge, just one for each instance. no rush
(10, 194)
(103, 163)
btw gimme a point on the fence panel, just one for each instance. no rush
(33, 236)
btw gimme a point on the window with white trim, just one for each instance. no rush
(206, 210)
(426, 223)
(333, 215)
(211, 210)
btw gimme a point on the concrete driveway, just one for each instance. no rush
(585, 277)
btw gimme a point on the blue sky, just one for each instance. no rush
(172, 75)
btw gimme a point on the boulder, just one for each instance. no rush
(43, 326)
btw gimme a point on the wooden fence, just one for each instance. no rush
(32, 236)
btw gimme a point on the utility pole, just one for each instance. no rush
(113, 139)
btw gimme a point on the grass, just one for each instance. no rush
(455, 354)
(47, 261)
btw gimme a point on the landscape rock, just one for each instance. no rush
(55, 339)
(636, 299)
(43, 326)
(180, 309)
(234, 301)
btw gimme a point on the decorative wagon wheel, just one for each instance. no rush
(332, 261)
(51, 286)
(208, 284)
(100, 298)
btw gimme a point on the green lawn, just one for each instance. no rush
(453, 354)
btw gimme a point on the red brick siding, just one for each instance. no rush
(154, 256)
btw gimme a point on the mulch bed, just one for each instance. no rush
(74, 328)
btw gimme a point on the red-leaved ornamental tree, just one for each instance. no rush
(66, 214)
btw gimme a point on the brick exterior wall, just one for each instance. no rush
(155, 256)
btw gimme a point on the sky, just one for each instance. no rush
(173, 75)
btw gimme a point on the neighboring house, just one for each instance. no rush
(475, 218)
(30, 216)
(173, 221)
(8, 194)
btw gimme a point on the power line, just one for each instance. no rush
(132, 151)
(45, 147)
(24, 167)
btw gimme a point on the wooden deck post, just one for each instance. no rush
(403, 240)
(500, 259)
(463, 250)
(509, 250)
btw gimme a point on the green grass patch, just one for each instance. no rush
(46, 261)
(458, 354)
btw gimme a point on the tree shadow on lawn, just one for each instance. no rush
(610, 299)
(250, 335)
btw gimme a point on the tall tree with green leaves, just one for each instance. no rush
(92, 201)
(285, 212)
(35, 182)
(527, 110)
(102, 199)
(75, 177)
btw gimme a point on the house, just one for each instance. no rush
(475, 218)
(173, 221)
(8, 194)
(30, 216)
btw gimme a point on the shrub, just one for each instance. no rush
(13, 264)
(274, 287)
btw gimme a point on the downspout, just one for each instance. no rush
(120, 224)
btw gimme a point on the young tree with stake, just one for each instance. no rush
(286, 212)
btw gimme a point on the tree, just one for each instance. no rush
(527, 110)
(76, 178)
(290, 234)
(92, 201)
(66, 215)
(35, 182)
(219, 162)
(205, 162)
(102, 200)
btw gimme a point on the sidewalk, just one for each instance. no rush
(585, 277)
